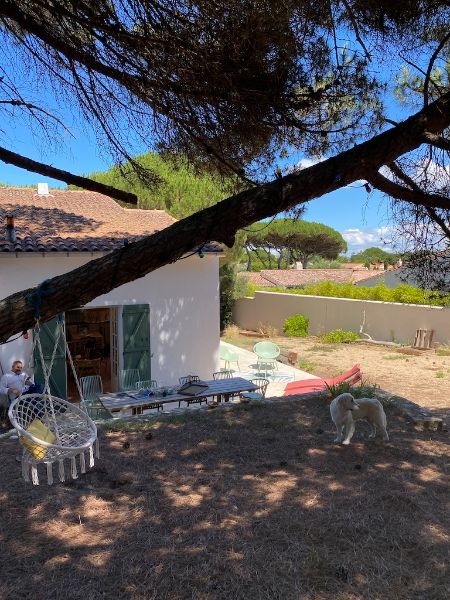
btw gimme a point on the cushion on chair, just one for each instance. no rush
(40, 431)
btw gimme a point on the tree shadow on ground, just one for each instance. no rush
(256, 502)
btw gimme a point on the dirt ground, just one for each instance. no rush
(423, 377)
(256, 502)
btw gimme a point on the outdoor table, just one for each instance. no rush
(133, 399)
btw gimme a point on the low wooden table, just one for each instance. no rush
(119, 401)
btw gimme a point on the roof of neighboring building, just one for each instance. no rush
(255, 278)
(353, 266)
(75, 221)
(291, 278)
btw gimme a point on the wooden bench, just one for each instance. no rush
(288, 357)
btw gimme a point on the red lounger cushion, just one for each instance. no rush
(311, 385)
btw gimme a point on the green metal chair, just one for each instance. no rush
(92, 388)
(223, 375)
(188, 379)
(128, 379)
(146, 384)
(258, 394)
(267, 354)
(228, 356)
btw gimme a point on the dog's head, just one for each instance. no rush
(346, 402)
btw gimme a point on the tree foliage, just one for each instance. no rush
(374, 255)
(180, 189)
(285, 241)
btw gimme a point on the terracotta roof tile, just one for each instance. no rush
(75, 221)
(291, 278)
(353, 266)
(255, 278)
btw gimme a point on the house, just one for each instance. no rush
(294, 278)
(166, 323)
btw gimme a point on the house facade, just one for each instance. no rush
(165, 324)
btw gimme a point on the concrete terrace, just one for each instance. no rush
(277, 378)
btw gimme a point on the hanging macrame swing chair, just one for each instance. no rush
(50, 429)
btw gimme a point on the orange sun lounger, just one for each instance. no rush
(352, 376)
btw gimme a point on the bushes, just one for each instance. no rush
(362, 390)
(296, 326)
(339, 336)
(404, 294)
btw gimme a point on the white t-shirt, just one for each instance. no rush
(11, 380)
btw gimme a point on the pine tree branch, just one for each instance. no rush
(84, 182)
(437, 141)
(417, 197)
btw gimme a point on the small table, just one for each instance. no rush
(119, 401)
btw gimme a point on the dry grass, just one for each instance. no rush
(254, 503)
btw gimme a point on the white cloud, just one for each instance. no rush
(431, 170)
(360, 239)
(304, 163)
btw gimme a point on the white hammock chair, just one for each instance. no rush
(51, 429)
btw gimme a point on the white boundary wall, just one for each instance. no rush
(384, 321)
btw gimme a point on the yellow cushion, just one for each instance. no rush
(40, 431)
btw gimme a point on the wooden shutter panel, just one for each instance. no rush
(136, 338)
(58, 376)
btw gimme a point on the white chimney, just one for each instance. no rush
(42, 189)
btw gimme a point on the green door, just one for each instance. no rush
(58, 376)
(136, 338)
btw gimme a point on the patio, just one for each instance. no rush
(278, 378)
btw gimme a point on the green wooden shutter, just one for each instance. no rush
(136, 338)
(58, 376)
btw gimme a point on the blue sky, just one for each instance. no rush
(361, 218)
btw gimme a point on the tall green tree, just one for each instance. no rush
(373, 255)
(285, 241)
(178, 187)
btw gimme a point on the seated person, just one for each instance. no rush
(16, 383)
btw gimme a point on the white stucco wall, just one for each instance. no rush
(384, 321)
(184, 308)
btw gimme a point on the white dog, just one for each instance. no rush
(345, 410)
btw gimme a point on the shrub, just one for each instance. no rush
(296, 326)
(363, 390)
(339, 336)
(231, 331)
(244, 288)
(404, 294)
